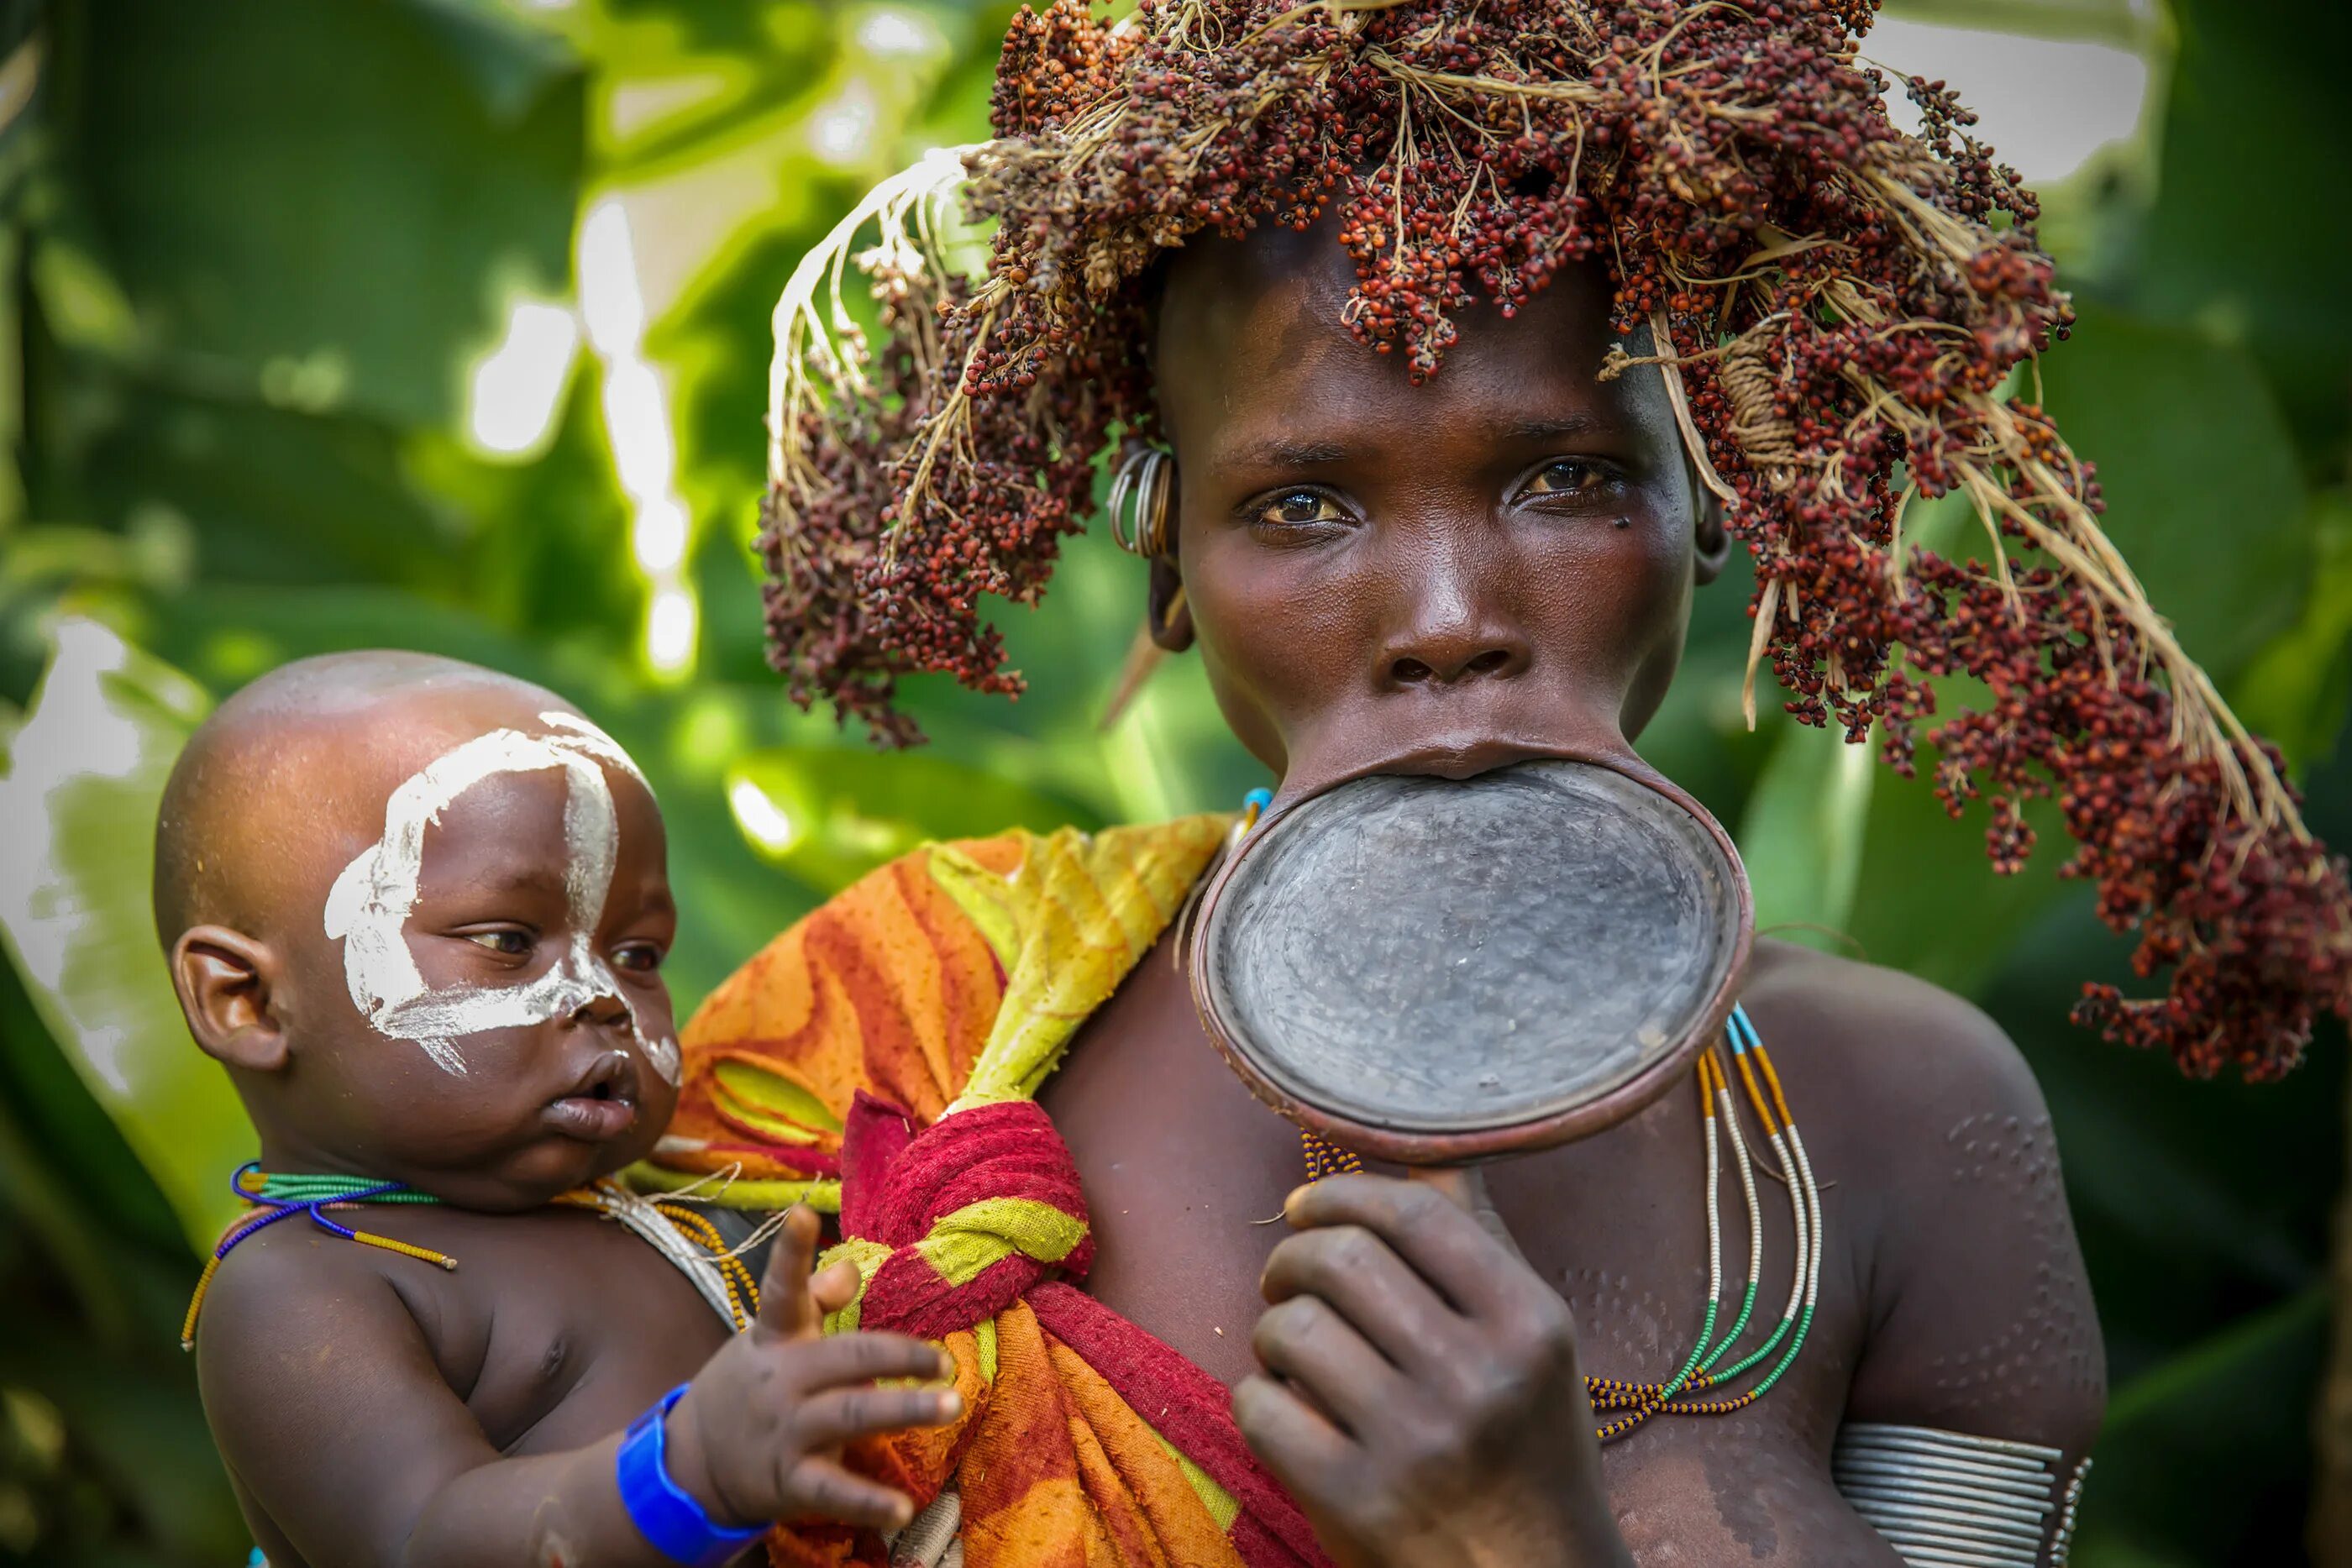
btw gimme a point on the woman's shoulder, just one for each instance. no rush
(1887, 1059)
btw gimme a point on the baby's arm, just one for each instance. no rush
(327, 1403)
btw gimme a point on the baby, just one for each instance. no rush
(419, 910)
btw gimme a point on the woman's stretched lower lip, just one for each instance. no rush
(589, 1119)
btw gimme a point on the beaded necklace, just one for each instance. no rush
(687, 1239)
(1632, 1404)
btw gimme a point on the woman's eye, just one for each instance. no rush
(1568, 477)
(508, 944)
(1294, 507)
(643, 956)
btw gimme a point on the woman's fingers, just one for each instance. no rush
(1361, 1276)
(841, 1415)
(786, 1306)
(849, 1358)
(1310, 1457)
(1446, 1244)
(1307, 1343)
(822, 1489)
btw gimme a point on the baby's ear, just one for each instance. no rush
(225, 980)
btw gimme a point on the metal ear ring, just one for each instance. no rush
(1137, 506)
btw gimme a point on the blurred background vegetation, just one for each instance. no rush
(443, 324)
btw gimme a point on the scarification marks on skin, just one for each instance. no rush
(370, 905)
(1620, 1326)
(2050, 1341)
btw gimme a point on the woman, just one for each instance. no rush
(1449, 347)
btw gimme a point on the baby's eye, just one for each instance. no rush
(1566, 476)
(509, 943)
(643, 956)
(1293, 509)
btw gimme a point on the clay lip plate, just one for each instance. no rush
(1434, 971)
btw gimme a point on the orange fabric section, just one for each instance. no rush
(1147, 1480)
(1023, 1505)
(962, 971)
(887, 987)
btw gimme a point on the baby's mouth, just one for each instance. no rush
(603, 1105)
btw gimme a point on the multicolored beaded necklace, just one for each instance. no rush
(1632, 1404)
(675, 1230)
(1637, 1401)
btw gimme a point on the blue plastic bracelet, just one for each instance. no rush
(663, 1514)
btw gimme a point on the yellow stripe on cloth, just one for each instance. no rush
(1223, 1506)
(978, 1235)
(820, 1193)
(868, 1256)
(1068, 925)
(779, 1108)
(963, 1245)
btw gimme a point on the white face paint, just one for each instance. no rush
(369, 907)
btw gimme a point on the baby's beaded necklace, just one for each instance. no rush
(687, 1239)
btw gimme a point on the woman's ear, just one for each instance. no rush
(1714, 538)
(1172, 615)
(225, 980)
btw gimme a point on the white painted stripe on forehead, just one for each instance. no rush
(372, 902)
(588, 739)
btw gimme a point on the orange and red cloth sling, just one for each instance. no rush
(881, 1061)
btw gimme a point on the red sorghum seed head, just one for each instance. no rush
(1842, 304)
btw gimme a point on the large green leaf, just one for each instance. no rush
(326, 200)
(86, 770)
(1803, 836)
(136, 1420)
(2204, 1462)
(2295, 692)
(1928, 901)
(829, 816)
(2196, 1201)
(2204, 493)
(2246, 236)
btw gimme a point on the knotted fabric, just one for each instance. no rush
(881, 1059)
(953, 1224)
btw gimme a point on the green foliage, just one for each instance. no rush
(88, 765)
(1802, 840)
(252, 269)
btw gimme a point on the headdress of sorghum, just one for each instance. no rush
(1838, 308)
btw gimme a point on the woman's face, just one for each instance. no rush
(1437, 579)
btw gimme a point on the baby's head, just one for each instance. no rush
(418, 909)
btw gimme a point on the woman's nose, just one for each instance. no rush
(1455, 630)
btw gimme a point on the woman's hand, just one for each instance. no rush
(1423, 1399)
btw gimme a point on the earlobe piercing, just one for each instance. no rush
(1137, 506)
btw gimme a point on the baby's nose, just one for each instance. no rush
(604, 1006)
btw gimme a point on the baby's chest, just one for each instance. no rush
(559, 1335)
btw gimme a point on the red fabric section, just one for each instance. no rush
(1190, 1409)
(874, 1135)
(898, 1186)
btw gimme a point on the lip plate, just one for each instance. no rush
(1471, 1147)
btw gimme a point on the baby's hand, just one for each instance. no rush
(759, 1435)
